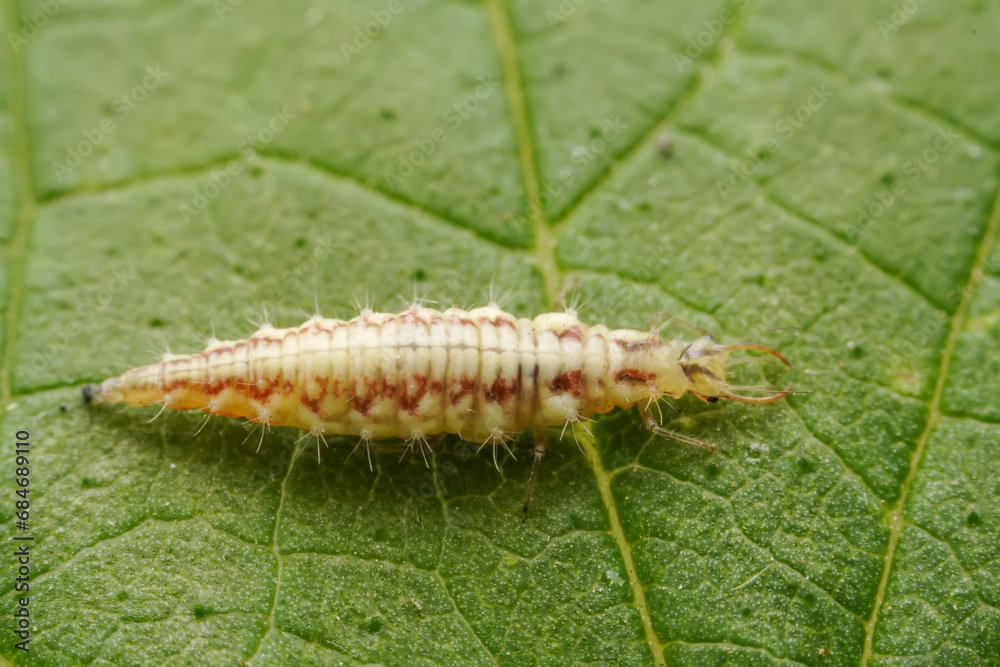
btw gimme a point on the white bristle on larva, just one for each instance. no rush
(483, 374)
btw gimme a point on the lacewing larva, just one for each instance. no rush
(482, 374)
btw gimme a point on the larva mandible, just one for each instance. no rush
(482, 374)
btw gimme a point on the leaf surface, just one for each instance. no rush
(748, 166)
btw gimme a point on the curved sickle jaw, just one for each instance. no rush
(758, 348)
(758, 400)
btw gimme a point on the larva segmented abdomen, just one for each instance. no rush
(482, 374)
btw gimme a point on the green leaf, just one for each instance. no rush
(171, 171)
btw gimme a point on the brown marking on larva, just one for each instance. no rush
(437, 387)
(501, 322)
(570, 381)
(288, 388)
(501, 390)
(643, 344)
(260, 393)
(690, 371)
(312, 403)
(408, 401)
(634, 376)
(362, 404)
(167, 387)
(573, 333)
(466, 387)
(388, 387)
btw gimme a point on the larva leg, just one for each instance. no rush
(539, 452)
(651, 423)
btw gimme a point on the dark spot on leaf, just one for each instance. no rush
(155, 323)
(63, 408)
(559, 69)
(255, 170)
(973, 520)
(808, 597)
(388, 114)
(805, 466)
(887, 179)
(90, 483)
(857, 351)
(595, 132)
(373, 625)
(111, 252)
(747, 612)
(201, 612)
(713, 471)
(419, 274)
(644, 206)
(883, 73)
(300, 242)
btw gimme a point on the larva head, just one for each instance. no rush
(704, 363)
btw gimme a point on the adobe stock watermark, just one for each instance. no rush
(785, 128)
(708, 35)
(902, 12)
(293, 279)
(582, 157)
(454, 117)
(223, 7)
(913, 170)
(219, 179)
(370, 30)
(95, 304)
(122, 106)
(32, 25)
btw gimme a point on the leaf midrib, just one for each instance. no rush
(895, 513)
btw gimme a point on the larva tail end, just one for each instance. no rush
(91, 394)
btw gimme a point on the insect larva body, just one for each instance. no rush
(483, 374)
